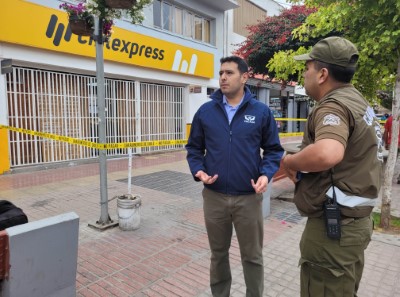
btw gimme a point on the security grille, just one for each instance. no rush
(65, 104)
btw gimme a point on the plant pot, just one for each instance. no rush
(120, 4)
(80, 26)
(128, 210)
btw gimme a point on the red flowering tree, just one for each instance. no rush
(272, 35)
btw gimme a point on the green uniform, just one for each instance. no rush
(334, 267)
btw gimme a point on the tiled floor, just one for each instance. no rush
(168, 255)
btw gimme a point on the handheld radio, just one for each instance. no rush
(332, 216)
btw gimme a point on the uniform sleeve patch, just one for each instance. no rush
(331, 120)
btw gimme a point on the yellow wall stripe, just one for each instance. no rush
(48, 30)
(4, 161)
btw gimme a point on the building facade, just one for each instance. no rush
(286, 102)
(157, 74)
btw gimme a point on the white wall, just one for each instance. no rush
(195, 101)
(272, 7)
(3, 101)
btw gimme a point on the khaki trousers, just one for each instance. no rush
(244, 212)
(333, 268)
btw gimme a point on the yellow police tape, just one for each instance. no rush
(107, 146)
(283, 134)
(290, 119)
(91, 144)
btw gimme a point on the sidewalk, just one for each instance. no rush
(168, 255)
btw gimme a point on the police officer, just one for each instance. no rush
(341, 151)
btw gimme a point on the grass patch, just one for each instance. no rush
(394, 222)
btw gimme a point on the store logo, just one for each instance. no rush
(182, 65)
(57, 30)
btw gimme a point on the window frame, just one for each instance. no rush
(188, 19)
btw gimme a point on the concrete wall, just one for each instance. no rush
(43, 258)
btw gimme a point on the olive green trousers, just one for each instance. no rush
(244, 212)
(329, 267)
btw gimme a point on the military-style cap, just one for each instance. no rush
(332, 50)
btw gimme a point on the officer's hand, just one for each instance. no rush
(291, 174)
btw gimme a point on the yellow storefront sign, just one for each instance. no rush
(30, 24)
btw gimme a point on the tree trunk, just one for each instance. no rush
(392, 157)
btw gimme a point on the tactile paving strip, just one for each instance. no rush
(171, 182)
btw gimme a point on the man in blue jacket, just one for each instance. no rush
(234, 150)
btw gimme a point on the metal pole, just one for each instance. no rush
(105, 220)
(129, 171)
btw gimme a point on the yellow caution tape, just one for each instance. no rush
(290, 119)
(109, 146)
(91, 144)
(291, 134)
(304, 120)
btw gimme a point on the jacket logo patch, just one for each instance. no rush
(331, 120)
(250, 119)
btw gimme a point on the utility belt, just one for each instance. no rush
(347, 220)
(335, 219)
(341, 209)
(352, 206)
(344, 220)
(357, 212)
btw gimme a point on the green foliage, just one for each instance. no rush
(285, 67)
(394, 221)
(100, 8)
(373, 25)
(273, 35)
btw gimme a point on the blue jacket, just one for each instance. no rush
(233, 151)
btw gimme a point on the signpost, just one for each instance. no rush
(105, 221)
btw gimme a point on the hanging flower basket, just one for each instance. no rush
(80, 26)
(120, 4)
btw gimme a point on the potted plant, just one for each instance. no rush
(134, 7)
(136, 11)
(80, 20)
(120, 4)
(105, 14)
(107, 11)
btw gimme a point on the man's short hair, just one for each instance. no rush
(338, 73)
(242, 65)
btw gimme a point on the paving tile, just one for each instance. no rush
(169, 255)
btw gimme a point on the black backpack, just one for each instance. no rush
(10, 215)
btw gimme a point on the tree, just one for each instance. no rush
(272, 35)
(373, 25)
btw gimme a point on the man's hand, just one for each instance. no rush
(205, 178)
(261, 185)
